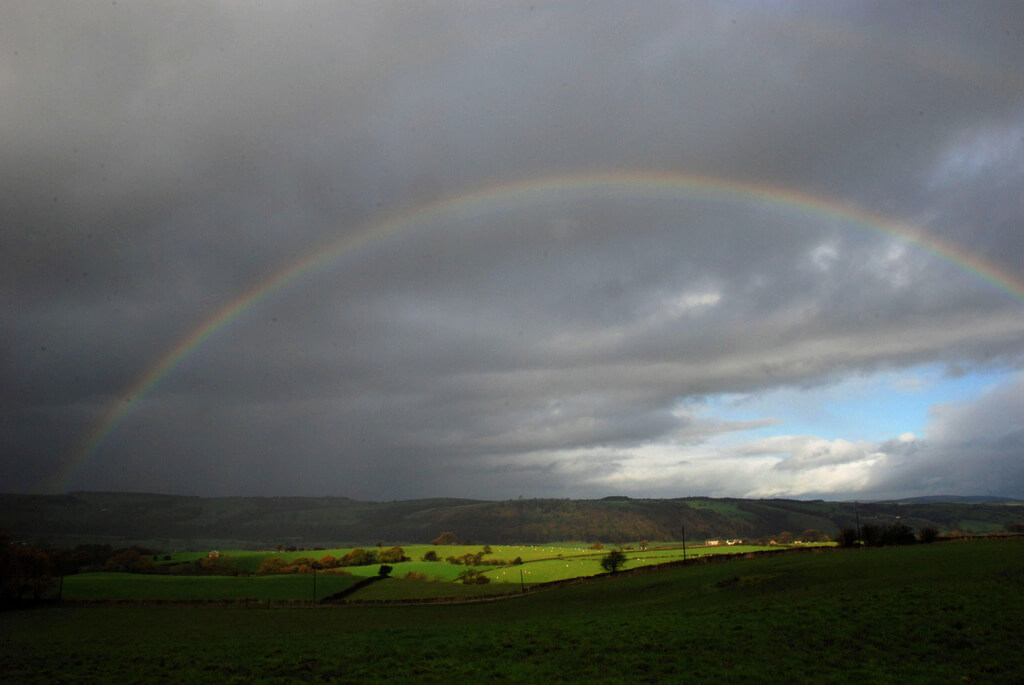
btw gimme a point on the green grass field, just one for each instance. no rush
(541, 564)
(942, 613)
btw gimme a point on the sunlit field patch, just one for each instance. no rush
(540, 564)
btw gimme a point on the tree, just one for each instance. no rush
(847, 537)
(871, 535)
(130, 561)
(471, 576)
(393, 555)
(431, 555)
(24, 571)
(898, 534)
(446, 538)
(612, 561)
(272, 566)
(359, 557)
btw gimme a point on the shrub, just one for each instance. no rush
(431, 555)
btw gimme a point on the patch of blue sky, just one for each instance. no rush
(873, 407)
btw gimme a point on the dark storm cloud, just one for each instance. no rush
(158, 161)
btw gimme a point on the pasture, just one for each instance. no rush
(540, 564)
(949, 612)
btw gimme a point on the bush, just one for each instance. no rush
(431, 555)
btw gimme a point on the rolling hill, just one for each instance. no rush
(183, 522)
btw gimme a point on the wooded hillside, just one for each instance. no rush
(182, 523)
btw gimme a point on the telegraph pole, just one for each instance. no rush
(683, 531)
(856, 509)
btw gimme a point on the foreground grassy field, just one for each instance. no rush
(943, 613)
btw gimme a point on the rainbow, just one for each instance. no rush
(504, 197)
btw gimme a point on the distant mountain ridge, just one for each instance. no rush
(173, 522)
(970, 499)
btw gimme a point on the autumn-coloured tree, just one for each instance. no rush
(24, 571)
(393, 555)
(272, 566)
(359, 557)
(129, 561)
(446, 538)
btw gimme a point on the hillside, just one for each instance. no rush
(182, 522)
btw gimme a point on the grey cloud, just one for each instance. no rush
(159, 162)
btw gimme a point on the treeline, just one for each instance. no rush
(885, 535)
(193, 523)
(470, 558)
(356, 557)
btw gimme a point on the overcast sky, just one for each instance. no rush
(161, 164)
